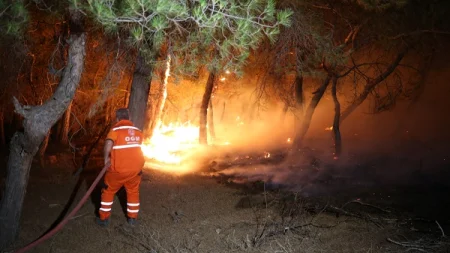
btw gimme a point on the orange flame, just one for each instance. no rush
(172, 146)
(171, 143)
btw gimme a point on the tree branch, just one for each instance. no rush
(336, 120)
(371, 84)
(22, 110)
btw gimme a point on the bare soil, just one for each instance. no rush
(207, 211)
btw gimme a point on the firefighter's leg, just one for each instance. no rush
(112, 185)
(132, 188)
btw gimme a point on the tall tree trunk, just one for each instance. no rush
(66, 125)
(140, 88)
(37, 122)
(299, 96)
(306, 121)
(336, 121)
(149, 116)
(212, 132)
(162, 96)
(126, 98)
(203, 134)
(299, 99)
(2, 129)
(222, 117)
(371, 84)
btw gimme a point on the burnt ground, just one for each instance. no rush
(215, 210)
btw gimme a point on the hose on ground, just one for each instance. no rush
(67, 218)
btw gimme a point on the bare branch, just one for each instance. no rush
(418, 245)
(371, 84)
(22, 110)
(440, 228)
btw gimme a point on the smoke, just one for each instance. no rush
(402, 146)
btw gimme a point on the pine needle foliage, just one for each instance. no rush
(215, 33)
(13, 17)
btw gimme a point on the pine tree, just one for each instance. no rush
(215, 33)
(37, 122)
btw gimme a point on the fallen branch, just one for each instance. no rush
(410, 246)
(440, 228)
(78, 216)
(359, 216)
(419, 245)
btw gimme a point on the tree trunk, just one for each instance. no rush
(371, 84)
(37, 122)
(212, 132)
(222, 117)
(149, 116)
(299, 96)
(66, 125)
(140, 88)
(306, 121)
(126, 98)
(336, 121)
(157, 120)
(299, 99)
(203, 134)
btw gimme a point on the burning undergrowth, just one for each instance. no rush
(277, 169)
(175, 147)
(241, 154)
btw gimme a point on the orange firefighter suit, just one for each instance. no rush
(127, 161)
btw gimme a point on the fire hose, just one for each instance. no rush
(67, 218)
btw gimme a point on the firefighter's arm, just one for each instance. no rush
(107, 151)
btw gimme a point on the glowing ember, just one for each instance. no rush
(222, 79)
(266, 155)
(329, 128)
(289, 140)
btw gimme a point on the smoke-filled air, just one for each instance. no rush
(224, 126)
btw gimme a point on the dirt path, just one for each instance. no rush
(194, 213)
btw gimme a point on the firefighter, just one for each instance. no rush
(124, 157)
